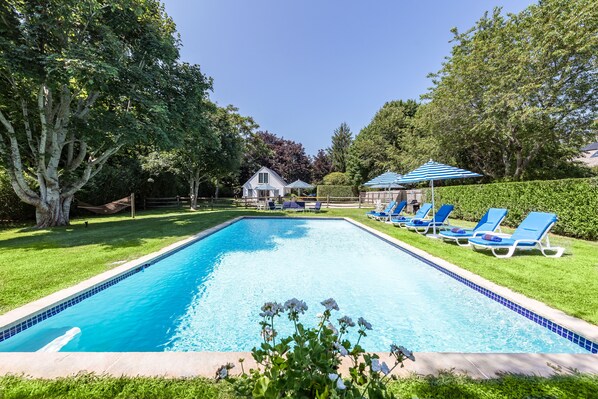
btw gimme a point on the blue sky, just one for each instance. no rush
(302, 67)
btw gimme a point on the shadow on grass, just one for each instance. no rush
(125, 232)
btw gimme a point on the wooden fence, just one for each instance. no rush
(185, 202)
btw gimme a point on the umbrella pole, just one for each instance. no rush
(433, 207)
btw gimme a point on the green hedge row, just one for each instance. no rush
(575, 201)
(336, 191)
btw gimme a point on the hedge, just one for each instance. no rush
(336, 191)
(575, 201)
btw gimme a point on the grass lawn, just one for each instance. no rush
(444, 386)
(35, 263)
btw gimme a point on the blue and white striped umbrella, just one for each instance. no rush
(431, 171)
(384, 180)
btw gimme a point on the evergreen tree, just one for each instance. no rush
(341, 141)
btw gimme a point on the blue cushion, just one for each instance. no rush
(506, 242)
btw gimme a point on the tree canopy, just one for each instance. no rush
(517, 97)
(79, 79)
(379, 147)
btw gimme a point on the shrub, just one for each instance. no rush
(12, 209)
(336, 179)
(305, 364)
(575, 202)
(336, 191)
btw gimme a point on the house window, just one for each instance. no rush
(263, 178)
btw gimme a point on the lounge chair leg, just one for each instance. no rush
(558, 251)
(467, 244)
(510, 252)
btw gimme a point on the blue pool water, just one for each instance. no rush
(207, 296)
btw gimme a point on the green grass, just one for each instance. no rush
(35, 263)
(445, 386)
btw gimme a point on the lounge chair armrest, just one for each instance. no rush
(517, 242)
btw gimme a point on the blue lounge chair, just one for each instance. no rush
(487, 224)
(373, 214)
(395, 212)
(316, 207)
(532, 233)
(439, 220)
(294, 205)
(419, 215)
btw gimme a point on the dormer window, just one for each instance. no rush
(263, 178)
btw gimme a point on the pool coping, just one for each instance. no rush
(477, 365)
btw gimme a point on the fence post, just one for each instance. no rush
(211, 203)
(328, 201)
(359, 199)
(133, 205)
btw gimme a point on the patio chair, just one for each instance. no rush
(316, 207)
(389, 207)
(487, 224)
(439, 220)
(400, 221)
(294, 206)
(532, 233)
(395, 212)
(272, 206)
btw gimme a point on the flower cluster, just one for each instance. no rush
(307, 363)
(271, 309)
(400, 352)
(330, 304)
(222, 372)
(295, 307)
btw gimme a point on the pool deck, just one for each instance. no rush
(181, 364)
(204, 364)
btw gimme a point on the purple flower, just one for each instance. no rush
(346, 321)
(222, 371)
(375, 365)
(384, 368)
(271, 309)
(364, 324)
(332, 328)
(341, 349)
(295, 305)
(401, 351)
(330, 304)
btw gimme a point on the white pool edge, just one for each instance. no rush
(186, 364)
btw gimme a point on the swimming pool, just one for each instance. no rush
(206, 297)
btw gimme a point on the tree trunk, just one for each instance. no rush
(54, 211)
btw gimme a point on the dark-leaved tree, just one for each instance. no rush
(321, 166)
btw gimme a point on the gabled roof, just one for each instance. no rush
(591, 147)
(265, 169)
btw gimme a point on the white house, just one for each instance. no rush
(262, 178)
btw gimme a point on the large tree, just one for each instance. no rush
(211, 147)
(339, 151)
(517, 97)
(379, 146)
(78, 80)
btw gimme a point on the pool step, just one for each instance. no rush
(58, 343)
